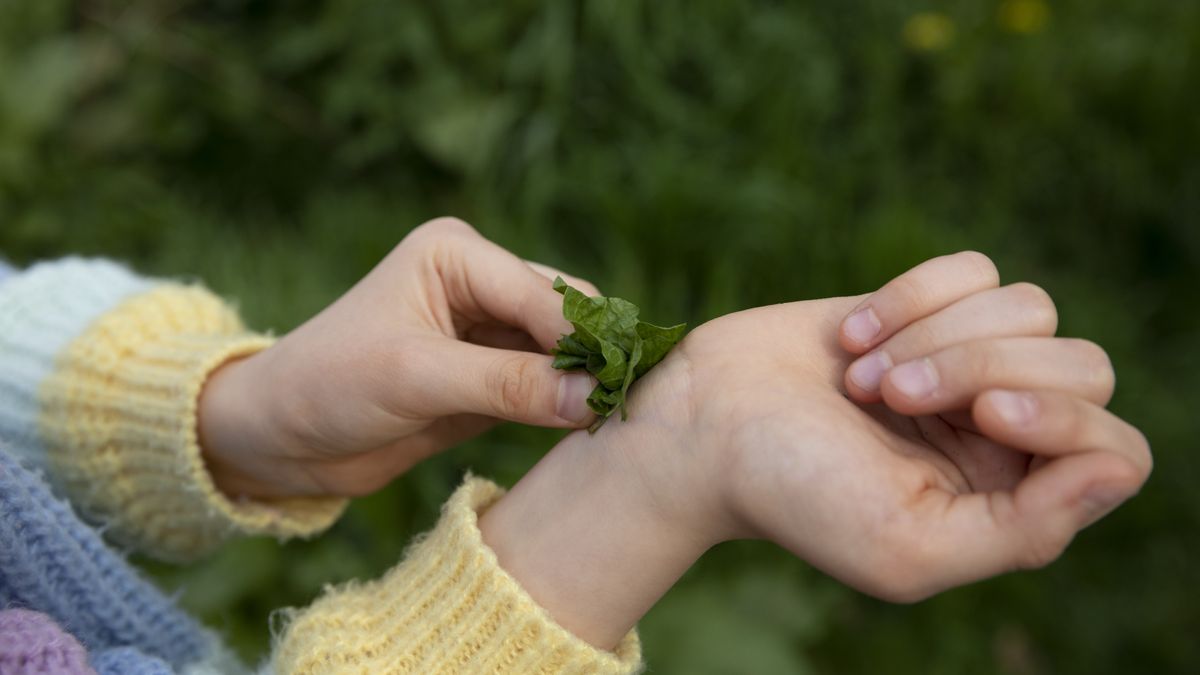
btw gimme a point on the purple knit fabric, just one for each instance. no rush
(31, 643)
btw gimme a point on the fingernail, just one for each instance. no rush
(573, 390)
(868, 371)
(1099, 500)
(915, 379)
(862, 326)
(1016, 409)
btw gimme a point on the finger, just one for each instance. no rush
(444, 432)
(483, 281)
(1021, 309)
(452, 377)
(371, 470)
(917, 293)
(587, 287)
(1050, 424)
(1097, 461)
(951, 378)
(501, 336)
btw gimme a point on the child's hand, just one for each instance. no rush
(990, 450)
(443, 338)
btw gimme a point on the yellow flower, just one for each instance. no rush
(929, 31)
(1023, 16)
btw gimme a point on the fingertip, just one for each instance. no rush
(860, 395)
(911, 388)
(982, 265)
(573, 391)
(865, 375)
(859, 330)
(1106, 494)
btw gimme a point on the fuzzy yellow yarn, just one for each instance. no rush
(118, 420)
(118, 417)
(447, 608)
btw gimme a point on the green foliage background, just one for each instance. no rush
(696, 157)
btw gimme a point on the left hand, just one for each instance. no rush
(928, 435)
(445, 337)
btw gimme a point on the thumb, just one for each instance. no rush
(1096, 461)
(512, 385)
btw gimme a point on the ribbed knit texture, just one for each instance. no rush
(118, 418)
(42, 310)
(129, 661)
(32, 644)
(53, 562)
(447, 608)
(99, 384)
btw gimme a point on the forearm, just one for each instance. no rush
(583, 536)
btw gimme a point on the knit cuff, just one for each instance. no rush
(448, 607)
(119, 423)
(43, 309)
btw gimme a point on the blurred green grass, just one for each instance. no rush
(696, 157)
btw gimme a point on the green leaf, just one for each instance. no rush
(611, 319)
(635, 359)
(609, 365)
(568, 344)
(658, 341)
(565, 361)
(610, 343)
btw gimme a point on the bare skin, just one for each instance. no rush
(750, 429)
(922, 437)
(445, 337)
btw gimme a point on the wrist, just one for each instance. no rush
(235, 429)
(586, 537)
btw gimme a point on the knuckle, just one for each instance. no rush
(401, 357)
(901, 591)
(1073, 427)
(981, 267)
(1038, 302)
(1042, 548)
(437, 243)
(900, 580)
(901, 560)
(978, 362)
(511, 389)
(912, 294)
(445, 225)
(918, 338)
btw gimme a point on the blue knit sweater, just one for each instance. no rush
(52, 562)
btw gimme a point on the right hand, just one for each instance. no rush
(746, 430)
(448, 335)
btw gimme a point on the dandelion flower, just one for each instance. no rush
(1023, 16)
(929, 31)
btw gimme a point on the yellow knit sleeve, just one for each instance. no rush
(118, 417)
(447, 608)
